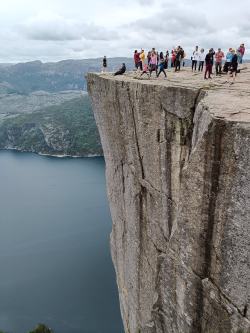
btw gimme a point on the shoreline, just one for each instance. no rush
(50, 155)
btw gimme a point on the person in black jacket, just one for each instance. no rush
(104, 64)
(121, 71)
(178, 59)
(209, 64)
(213, 54)
(233, 67)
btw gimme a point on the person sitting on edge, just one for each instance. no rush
(209, 64)
(121, 71)
(195, 58)
(233, 67)
(104, 64)
(219, 55)
(227, 64)
(202, 57)
(161, 65)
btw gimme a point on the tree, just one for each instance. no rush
(41, 328)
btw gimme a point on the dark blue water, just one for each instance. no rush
(54, 246)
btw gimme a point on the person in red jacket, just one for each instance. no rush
(219, 55)
(137, 60)
(173, 58)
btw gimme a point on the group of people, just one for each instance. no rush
(159, 62)
(231, 61)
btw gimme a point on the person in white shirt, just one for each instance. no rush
(202, 57)
(195, 58)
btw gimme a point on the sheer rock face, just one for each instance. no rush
(178, 175)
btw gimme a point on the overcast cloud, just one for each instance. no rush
(52, 30)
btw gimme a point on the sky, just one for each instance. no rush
(53, 30)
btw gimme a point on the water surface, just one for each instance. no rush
(54, 246)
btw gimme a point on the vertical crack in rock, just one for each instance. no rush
(199, 96)
(164, 167)
(142, 233)
(136, 134)
(168, 172)
(214, 178)
(158, 135)
(123, 177)
(245, 311)
(212, 165)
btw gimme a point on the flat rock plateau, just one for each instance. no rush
(177, 154)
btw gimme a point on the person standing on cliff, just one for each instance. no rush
(104, 64)
(162, 65)
(166, 60)
(209, 64)
(145, 70)
(227, 64)
(137, 60)
(179, 58)
(148, 57)
(202, 57)
(153, 63)
(195, 58)
(213, 54)
(219, 55)
(233, 67)
(241, 51)
(142, 58)
(173, 57)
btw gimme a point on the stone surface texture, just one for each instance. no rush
(177, 157)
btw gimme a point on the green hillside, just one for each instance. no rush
(65, 129)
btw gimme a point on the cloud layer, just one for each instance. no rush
(76, 29)
(52, 27)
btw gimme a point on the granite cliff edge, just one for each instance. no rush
(177, 157)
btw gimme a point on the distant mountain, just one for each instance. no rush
(53, 124)
(24, 78)
(44, 109)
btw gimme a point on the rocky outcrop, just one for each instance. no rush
(177, 157)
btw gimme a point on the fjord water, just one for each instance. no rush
(54, 246)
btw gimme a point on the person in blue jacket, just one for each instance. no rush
(228, 61)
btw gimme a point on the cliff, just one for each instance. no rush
(177, 157)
